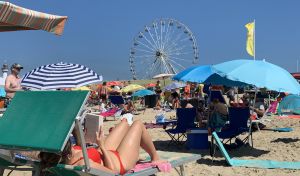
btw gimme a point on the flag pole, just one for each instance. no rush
(254, 41)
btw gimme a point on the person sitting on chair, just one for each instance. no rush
(117, 153)
(218, 115)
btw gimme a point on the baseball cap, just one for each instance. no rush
(16, 65)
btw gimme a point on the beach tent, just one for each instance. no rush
(59, 76)
(15, 18)
(290, 105)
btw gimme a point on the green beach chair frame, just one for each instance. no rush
(29, 109)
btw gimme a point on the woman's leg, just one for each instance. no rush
(136, 137)
(115, 137)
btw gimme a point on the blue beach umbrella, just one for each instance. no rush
(205, 74)
(142, 93)
(259, 73)
(196, 74)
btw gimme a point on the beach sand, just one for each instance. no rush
(268, 145)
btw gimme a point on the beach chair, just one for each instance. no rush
(176, 159)
(116, 99)
(265, 164)
(39, 121)
(216, 94)
(114, 112)
(11, 161)
(185, 121)
(238, 124)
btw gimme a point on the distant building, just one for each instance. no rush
(4, 74)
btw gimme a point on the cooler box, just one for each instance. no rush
(197, 139)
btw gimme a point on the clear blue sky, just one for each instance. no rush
(99, 34)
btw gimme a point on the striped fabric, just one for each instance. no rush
(60, 75)
(13, 18)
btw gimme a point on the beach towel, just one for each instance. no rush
(163, 167)
(110, 112)
(273, 107)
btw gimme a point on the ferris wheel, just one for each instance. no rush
(164, 46)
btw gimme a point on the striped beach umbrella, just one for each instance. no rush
(60, 75)
(14, 18)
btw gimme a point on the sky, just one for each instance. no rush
(99, 34)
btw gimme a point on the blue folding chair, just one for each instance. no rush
(238, 124)
(185, 121)
(116, 99)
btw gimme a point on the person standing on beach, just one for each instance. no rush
(103, 92)
(13, 81)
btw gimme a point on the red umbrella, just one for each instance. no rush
(151, 85)
(114, 83)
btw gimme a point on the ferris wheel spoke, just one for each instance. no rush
(166, 36)
(171, 68)
(177, 49)
(145, 45)
(143, 50)
(153, 68)
(178, 59)
(184, 39)
(153, 45)
(174, 62)
(175, 41)
(182, 53)
(156, 34)
(151, 35)
(170, 33)
(142, 62)
(161, 34)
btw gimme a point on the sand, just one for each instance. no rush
(268, 145)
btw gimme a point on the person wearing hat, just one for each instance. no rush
(13, 81)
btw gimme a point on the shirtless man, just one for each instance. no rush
(13, 82)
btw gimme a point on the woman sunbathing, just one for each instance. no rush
(118, 153)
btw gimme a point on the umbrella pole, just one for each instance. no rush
(254, 100)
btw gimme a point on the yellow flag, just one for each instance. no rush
(250, 38)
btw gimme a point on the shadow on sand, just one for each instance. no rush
(286, 140)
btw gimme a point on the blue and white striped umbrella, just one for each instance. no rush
(60, 75)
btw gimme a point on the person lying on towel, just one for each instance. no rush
(117, 153)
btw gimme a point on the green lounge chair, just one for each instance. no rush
(40, 121)
(266, 164)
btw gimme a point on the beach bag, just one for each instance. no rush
(160, 118)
